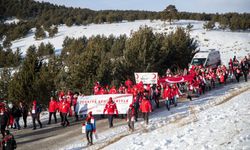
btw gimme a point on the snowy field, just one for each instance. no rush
(229, 43)
(217, 120)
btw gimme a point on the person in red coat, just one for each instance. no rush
(65, 106)
(52, 109)
(167, 95)
(111, 109)
(113, 90)
(145, 108)
(128, 83)
(59, 106)
(96, 88)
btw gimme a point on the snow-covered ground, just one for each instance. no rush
(217, 120)
(11, 21)
(226, 126)
(229, 43)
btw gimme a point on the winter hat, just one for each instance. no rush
(90, 113)
(110, 99)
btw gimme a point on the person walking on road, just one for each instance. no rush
(145, 108)
(131, 117)
(35, 113)
(25, 112)
(52, 109)
(111, 108)
(90, 128)
(65, 106)
(3, 119)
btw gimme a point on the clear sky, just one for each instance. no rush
(208, 6)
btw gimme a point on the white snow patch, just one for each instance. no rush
(11, 21)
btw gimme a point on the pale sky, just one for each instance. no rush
(208, 6)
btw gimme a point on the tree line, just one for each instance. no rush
(84, 61)
(45, 15)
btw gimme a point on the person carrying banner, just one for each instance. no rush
(167, 95)
(90, 127)
(111, 108)
(176, 94)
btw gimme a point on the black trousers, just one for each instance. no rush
(145, 117)
(65, 119)
(3, 130)
(89, 135)
(245, 73)
(34, 118)
(110, 118)
(25, 120)
(61, 115)
(54, 114)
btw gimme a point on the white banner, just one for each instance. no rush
(146, 78)
(96, 103)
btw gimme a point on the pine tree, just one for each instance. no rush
(23, 86)
(141, 50)
(171, 13)
(40, 33)
(209, 25)
(189, 27)
(53, 31)
(5, 77)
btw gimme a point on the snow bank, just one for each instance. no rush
(226, 126)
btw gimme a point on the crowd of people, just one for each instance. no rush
(146, 98)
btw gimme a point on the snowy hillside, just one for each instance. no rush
(217, 120)
(229, 43)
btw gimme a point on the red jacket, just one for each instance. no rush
(110, 108)
(112, 91)
(65, 106)
(167, 94)
(74, 101)
(175, 91)
(52, 106)
(145, 106)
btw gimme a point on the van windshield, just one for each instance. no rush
(198, 61)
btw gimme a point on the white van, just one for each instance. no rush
(207, 58)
